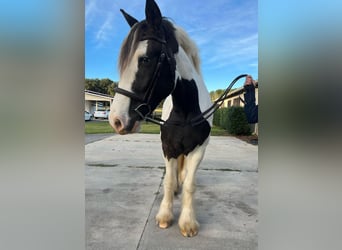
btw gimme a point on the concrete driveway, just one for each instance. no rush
(89, 138)
(123, 180)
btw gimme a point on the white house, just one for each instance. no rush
(235, 98)
(96, 101)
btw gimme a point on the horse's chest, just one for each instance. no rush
(178, 140)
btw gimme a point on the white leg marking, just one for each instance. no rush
(165, 215)
(188, 224)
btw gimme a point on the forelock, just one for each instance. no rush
(129, 46)
(135, 35)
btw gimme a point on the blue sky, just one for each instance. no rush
(225, 31)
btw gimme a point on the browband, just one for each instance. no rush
(153, 38)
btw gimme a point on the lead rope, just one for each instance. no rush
(207, 113)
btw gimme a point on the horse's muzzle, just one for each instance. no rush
(121, 128)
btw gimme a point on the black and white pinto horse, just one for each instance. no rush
(157, 61)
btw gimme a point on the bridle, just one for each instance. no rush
(144, 108)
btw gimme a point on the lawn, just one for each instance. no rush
(101, 127)
(98, 127)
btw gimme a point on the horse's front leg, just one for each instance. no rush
(165, 215)
(188, 224)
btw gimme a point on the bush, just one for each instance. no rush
(217, 117)
(232, 119)
(237, 121)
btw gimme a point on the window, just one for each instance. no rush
(236, 102)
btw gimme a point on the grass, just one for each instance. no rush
(217, 131)
(98, 127)
(102, 127)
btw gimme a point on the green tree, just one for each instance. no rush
(104, 86)
(216, 94)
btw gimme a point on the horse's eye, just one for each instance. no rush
(144, 60)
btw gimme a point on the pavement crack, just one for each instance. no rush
(229, 170)
(150, 212)
(147, 167)
(102, 165)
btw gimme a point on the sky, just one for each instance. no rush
(225, 31)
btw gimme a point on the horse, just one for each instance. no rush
(158, 61)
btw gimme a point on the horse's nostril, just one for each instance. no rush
(117, 123)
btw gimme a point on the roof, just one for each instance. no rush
(236, 92)
(97, 93)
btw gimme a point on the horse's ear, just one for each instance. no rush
(153, 14)
(130, 20)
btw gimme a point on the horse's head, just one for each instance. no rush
(147, 69)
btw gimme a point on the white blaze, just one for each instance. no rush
(121, 103)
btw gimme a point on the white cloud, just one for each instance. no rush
(227, 51)
(90, 10)
(103, 33)
(99, 18)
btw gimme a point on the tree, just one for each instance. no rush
(104, 86)
(217, 93)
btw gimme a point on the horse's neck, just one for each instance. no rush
(187, 73)
(190, 96)
(185, 98)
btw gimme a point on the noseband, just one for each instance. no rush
(144, 108)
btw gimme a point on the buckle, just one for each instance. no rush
(143, 110)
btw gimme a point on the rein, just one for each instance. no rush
(211, 110)
(144, 109)
(207, 113)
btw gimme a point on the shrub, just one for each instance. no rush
(232, 119)
(217, 117)
(237, 121)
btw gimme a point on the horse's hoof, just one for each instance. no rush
(189, 229)
(189, 233)
(164, 220)
(164, 224)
